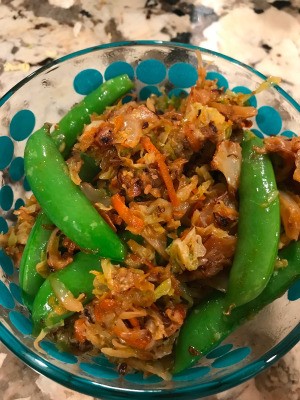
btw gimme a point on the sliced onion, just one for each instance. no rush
(37, 341)
(95, 195)
(64, 295)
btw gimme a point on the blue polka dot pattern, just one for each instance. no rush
(6, 151)
(127, 99)
(151, 71)
(183, 75)
(268, 120)
(20, 322)
(6, 299)
(191, 374)
(221, 80)
(3, 225)
(98, 371)
(87, 80)
(139, 378)
(231, 358)
(16, 292)
(19, 203)
(147, 91)
(177, 93)
(22, 125)
(16, 168)
(294, 292)
(51, 349)
(257, 133)
(119, 68)
(288, 134)
(219, 351)
(243, 89)
(6, 197)
(26, 185)
(6, 263)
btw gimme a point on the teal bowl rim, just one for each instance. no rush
(96, 389)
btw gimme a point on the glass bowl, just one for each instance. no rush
(45, 96)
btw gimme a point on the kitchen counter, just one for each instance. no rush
(264, 34)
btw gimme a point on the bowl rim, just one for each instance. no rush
(74, 382)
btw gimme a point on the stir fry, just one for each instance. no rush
(155, 224)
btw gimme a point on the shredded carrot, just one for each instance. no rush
(134, 322)
(80, 330)
(118, 122)
(135, 224)
(160, 159)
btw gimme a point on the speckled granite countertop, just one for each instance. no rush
(262, 33)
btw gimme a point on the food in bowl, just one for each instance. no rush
(142, 245)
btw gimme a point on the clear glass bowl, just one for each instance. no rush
(45, 96)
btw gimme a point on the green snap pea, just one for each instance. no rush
(72, 124)
(63, 202)
(207, 325)
(258, 228)
(77, 278)
(89, 169)
(35, 251)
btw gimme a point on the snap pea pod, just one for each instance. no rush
(89, 168)
(72, 124)
(63, 202)
(207, 325)
(34, 251)
(77, 279)
(258, 228)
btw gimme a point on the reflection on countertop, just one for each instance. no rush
(262, 33)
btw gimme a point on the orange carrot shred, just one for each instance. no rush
(135, 224)
(160, 159)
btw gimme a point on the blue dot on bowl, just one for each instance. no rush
(177, 92)
(147, 91)
(221, 80)
(6, 151)
(20, 322)
(22, 125)
(151, 71)
(127, 99)
(6, 197)
(139, 378)
(19, 203)
(191, 374)
(219, 351)
(87, 80)
(268, 120)
(51, 349)
(288, 134)
(16, 292)
(26, 185)
(6, 299)
(16, 168)
(294, 291)
(118, 68)
(232, 358)
(243, 89)
(257, 133)
(6, 263)
(3, 225)
(183, 75)
(99, 371)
